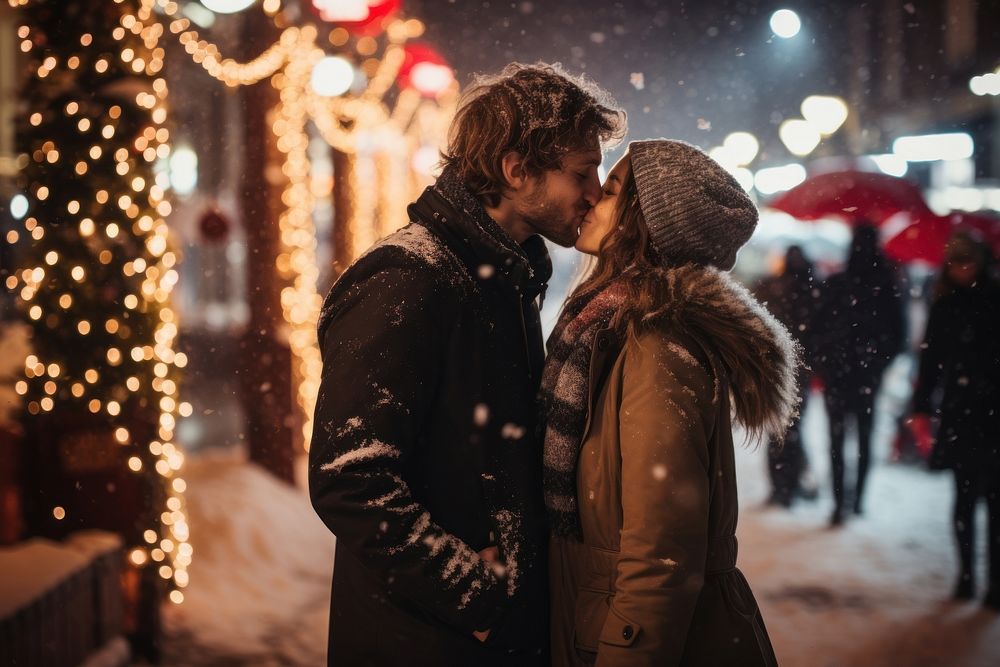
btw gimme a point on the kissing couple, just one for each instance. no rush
(500, 502)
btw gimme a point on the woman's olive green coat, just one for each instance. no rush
(654, 581)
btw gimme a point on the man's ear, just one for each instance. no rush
(514, 172)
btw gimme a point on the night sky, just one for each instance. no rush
(705, 69)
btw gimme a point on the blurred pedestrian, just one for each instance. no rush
(791, 296)
(860, 329)
(960, 366)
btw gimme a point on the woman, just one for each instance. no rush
(863, 329)
(651, 354)
(961, 358)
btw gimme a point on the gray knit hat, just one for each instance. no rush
(695, 210)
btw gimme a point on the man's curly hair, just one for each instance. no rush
(539, 111)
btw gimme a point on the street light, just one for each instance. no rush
(183, 170)
(332, 76)
(777, 179)
(799, 136)
(890, 163)
(364, 17)
(742, 147)
(931, 147)
(431, 79)
(424, 70)
(342, 10)
(425, 159)
(785, 23)
(826, 113)
(18, 206)
(227, 6)
(986, 84)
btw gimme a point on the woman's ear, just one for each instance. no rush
(514, 172)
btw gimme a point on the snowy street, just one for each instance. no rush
(872, 593)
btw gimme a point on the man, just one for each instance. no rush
(425, 462)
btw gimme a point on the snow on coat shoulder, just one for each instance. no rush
(418, 249)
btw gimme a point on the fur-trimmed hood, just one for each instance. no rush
(758, 353)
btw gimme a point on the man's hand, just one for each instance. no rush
(490, 555)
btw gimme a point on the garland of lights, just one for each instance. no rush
(289, 63)
(100, 271)
(125, 226)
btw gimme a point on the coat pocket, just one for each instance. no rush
(592, 607)
(594, 595)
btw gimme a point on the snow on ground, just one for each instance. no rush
(873, 593)
(260, 576)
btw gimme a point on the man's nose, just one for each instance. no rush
(592, 192)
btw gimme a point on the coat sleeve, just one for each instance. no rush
(383, 350)
(894, 319)
(931, 362)
(664, 427)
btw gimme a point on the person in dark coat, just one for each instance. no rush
(424, 461)
(959, 381)
(860, 329)
(792, 297)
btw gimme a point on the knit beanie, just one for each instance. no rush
(695, 210)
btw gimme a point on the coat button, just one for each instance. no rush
(602, 343)
(627, 632)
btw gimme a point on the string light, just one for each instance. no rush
(58, 278)
(290, 62)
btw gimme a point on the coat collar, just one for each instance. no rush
(607, 346)
(451, 211)
(735, 332)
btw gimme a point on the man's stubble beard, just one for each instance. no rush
(545, 218)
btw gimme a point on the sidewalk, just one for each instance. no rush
(873, 593)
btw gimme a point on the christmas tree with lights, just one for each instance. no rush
(94, 276)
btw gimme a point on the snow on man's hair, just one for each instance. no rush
(540, 111)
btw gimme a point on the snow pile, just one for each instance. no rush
(260, 578)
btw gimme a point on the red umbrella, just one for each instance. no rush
(855, 195)
(921, 241)
(925, 238)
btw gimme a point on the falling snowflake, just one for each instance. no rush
(512, 431)
(704, 124)
(637, 79)
(481, 414)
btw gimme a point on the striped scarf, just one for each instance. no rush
(563, 399)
